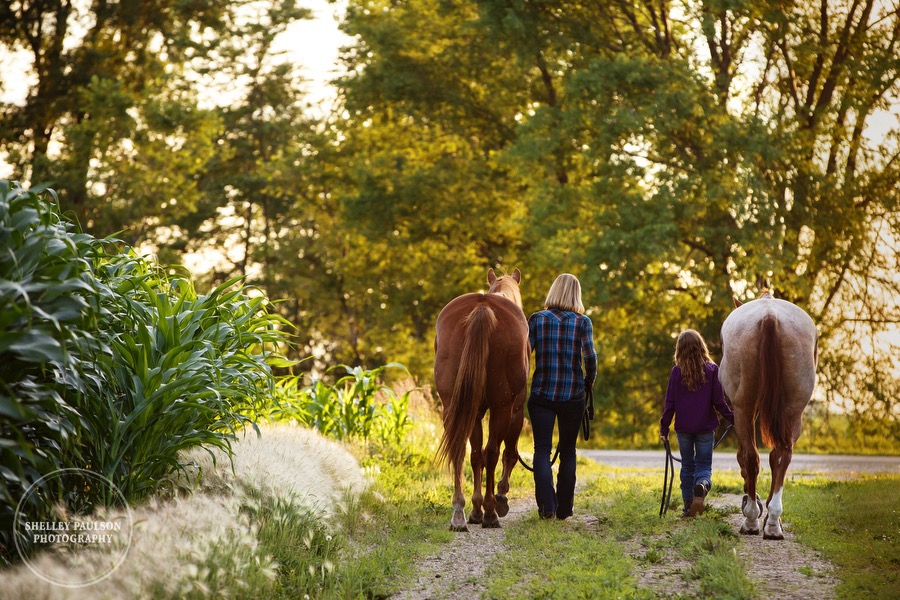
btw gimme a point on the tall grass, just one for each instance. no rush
(108, 363)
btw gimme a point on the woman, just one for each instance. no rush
(562, 338)
(693, 396)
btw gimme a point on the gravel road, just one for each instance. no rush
(832, 464)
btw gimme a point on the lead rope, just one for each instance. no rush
(669, 474)
(586, 419)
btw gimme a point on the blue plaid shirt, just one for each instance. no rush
(561, 340)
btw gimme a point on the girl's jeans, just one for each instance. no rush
(696, 461)
(543, 415)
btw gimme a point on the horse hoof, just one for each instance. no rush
(773, 536)
(460, 528)
(746, 531)
(502, 505)
(473, 520)
(491, 525)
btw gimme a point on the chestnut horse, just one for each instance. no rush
(769, 356)
(481, 364)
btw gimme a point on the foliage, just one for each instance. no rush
(47, 294)
(111, 365)
(356, 406)
(671, 155)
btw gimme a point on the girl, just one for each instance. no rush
(562, 338)
(693, 391)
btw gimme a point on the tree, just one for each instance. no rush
(669, 162)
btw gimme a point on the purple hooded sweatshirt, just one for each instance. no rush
(694, 409)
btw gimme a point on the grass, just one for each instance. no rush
(856, 526)
(404, 518)
(576, 560)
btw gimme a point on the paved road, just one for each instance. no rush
(725, 459)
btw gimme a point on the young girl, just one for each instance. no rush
(693, 391)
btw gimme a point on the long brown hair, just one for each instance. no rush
(691, 355)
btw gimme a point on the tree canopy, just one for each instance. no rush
(670, 154)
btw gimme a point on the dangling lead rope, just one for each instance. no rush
(669, 474)
(586, 419)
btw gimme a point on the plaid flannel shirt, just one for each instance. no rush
(561, 341)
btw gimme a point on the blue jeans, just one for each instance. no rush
(696, 461)
(543, 415)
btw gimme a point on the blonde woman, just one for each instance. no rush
(562, 338)
(693, 397)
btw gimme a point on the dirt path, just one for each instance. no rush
(783, 569)
(779, 569)
(456, 572)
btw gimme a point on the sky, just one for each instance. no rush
(313, 45)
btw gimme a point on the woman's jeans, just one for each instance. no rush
(696, 461)
(543, 415)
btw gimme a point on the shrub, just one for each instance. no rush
(109, 364)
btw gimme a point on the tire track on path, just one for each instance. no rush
(457, 570)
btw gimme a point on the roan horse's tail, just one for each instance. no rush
(461, 412)
(775, 429)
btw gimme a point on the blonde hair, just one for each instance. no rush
(691, 356)
(565, 294)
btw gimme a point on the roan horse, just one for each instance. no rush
(481, 364)
(769, 356)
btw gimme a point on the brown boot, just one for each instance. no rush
(700, 492)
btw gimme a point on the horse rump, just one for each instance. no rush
(461, 410)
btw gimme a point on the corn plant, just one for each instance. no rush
(184, 370)
(108, 363)
(357, 405)
(46, 291)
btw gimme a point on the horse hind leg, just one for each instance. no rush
(751, 505)
(510, 456)
(476, 459)
(779, 459)
(458, 521)
(498, 422)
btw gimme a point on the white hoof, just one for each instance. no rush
(752, 513)
(772, 529)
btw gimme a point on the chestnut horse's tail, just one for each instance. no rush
(461, 412)
(774, 427)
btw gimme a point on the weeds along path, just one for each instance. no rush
(457, 571)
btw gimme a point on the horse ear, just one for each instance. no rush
(491, 277)
(737, 303)
(517, 275)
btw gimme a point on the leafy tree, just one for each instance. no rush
(667, 154)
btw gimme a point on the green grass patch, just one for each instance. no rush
(856, 526)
